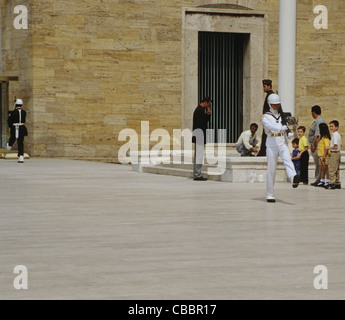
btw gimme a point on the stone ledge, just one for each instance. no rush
(12, 156)
(236, 168)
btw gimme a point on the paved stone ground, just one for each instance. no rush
(89, 230)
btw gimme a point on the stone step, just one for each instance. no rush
(177, 172)
(231, 169)
(185, 166)
(11, 154)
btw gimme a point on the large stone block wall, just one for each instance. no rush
(100, 67)
(90, 68)
(17, 57)
(320, 72)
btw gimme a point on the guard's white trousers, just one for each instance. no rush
(272, 157)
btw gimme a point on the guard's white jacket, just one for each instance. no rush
(272, 124)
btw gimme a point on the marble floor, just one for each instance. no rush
(86, 230)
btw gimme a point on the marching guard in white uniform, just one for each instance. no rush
(277, 145)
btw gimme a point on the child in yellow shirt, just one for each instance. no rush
(323, 153)
(303, 146)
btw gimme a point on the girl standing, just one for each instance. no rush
(323, 153)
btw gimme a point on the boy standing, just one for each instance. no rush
(295, 156)
(334, 161)
(313, 139)
(304, 154)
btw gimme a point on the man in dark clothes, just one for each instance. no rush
(267, 87)
(201, 117)
(16, 122)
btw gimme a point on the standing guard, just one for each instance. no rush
(16, 122)
(277, 145)
(267, 87)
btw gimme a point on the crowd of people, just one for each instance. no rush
(323, 143)
(327, 147)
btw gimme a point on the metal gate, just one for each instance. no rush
(221, 79)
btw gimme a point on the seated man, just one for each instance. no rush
(248, 142)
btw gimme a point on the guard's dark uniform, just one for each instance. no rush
(18, 118)
(266, 108)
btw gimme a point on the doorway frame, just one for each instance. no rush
(4, 107)
(255, 57)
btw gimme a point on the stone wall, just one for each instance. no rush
(320, 72)
(17, 61)
(100, 67)
(90, 68)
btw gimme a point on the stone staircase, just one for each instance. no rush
(232, 168)
(181, 170)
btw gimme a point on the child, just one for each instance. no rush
(323, 153)
(295, 155)
(304, 154)
(334, 160)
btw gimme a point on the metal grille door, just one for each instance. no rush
(221, 79)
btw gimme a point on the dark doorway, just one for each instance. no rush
(221, 79)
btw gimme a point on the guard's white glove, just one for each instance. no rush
(284, 128)
(290, 135)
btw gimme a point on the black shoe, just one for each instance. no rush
(296, 181)
(332, 186)
(270, 199)
(320, 184)
(338, 186)
(200, 179)
(327, 186)
(314, 184)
